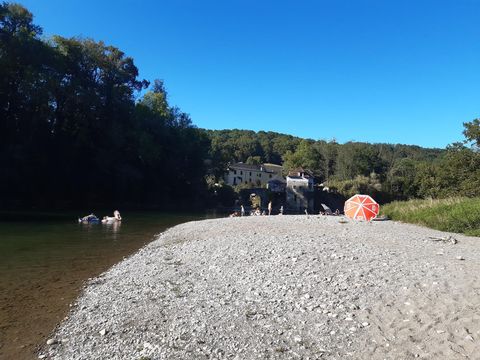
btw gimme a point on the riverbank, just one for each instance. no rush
(455, 214)
(282, 287)
(44, 264)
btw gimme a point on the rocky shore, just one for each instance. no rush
(282, 287)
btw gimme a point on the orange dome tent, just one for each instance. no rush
(361, 207)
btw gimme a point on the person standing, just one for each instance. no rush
(242, 210)
(270, 208)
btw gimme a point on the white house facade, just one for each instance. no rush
(300, 191)
(254, 175)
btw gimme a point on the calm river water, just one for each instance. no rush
(43, 265)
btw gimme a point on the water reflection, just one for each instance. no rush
(113, 227)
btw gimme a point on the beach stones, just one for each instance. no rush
(280, 288)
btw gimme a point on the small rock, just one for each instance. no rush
(51, 341)
(42, 356)
(365, 324)
(469, 337)
(297, 339)
(460, 258)
(103, 332)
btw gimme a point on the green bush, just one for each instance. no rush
(460, 215)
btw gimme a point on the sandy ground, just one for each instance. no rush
(282, 287)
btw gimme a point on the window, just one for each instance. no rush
(295, 186)
(241, 172)
(250, 173)
(270, 176)
(235, 172)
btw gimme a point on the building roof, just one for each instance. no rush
(273, 167)
(242, 166)
(300, 173)
(269, 168)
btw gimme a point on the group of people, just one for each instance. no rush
(336, 213)
(256, 211)
(92, 219)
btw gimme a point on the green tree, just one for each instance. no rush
(306, 156)
(472, 132)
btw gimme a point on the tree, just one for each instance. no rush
(306, 156)
(401, 179)
(472, 132)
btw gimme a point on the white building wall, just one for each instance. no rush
(298, 193)
(236, 177)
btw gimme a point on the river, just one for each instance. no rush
(44, 264)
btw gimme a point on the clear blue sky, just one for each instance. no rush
(366, 70)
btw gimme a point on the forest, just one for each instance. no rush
(386, 171)
(78, 127)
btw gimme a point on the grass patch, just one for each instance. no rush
(460, 215)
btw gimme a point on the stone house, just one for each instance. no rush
(300, 191)
(254, 175)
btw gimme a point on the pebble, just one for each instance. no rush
(259, 296)
(460, 258)
(51, 341)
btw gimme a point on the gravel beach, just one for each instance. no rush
(282, 287)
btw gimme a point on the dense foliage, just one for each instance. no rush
(388, 172)
(78, 127)
(72, 132)
(383, 170)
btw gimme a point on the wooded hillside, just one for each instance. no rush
(78, 127)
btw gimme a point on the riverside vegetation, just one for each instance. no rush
(459, 215)
(79, 128)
